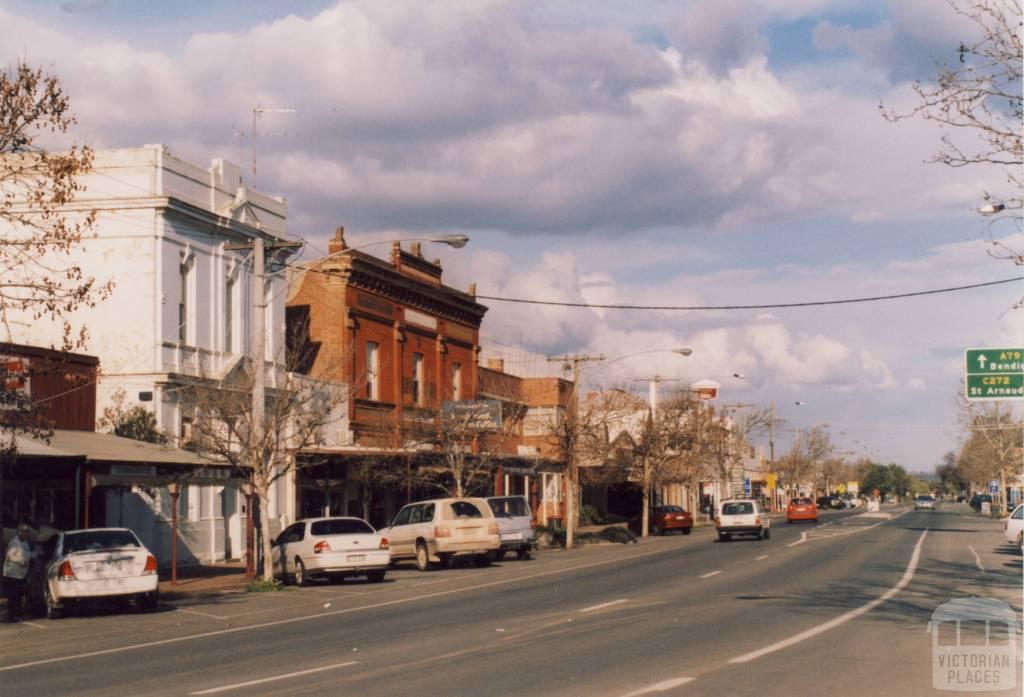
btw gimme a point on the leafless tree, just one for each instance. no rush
(977, 100)
(810, 447)
(994, 437)
(41, 226)
(298, 414)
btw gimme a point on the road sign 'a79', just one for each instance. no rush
(994, 373)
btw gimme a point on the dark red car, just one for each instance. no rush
(665, 518)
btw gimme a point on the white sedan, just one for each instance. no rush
(101, 563)
(1013, 529)
(330, 547)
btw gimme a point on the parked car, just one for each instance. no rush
(800, 510)
(315, 548)
(823, 502)
(434, 532)
(100, 564)
(924, 501)
(978, 499)
(1013, 528)
(515, 525)
(742, 517)
(663, 519)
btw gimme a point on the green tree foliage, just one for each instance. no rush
(889, 480)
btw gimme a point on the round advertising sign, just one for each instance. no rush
(705, 389)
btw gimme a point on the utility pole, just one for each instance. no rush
(257, 358)
(576, 360)
(258, 111)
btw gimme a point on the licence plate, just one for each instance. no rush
(514, 536)
(110, 565)
(357, 557)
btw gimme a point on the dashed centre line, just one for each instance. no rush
(713, 573)
(977, 559)
(604, 605)
(763, 556)
(659, 687)
(273, 678)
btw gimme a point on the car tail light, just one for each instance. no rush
(384, 544)
(718, 522)
(65, 573)
(492, 528)
(757, 520)
(442, 531)
(321, 546)
(150, 566)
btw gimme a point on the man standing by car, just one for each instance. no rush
(16, 562)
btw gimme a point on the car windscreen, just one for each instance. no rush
(92, 540)
(511, 506)
(464, 509)
(341, 526)
(738, 508)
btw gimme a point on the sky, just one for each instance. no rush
(656, 152)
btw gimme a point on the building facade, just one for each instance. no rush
(171, 235)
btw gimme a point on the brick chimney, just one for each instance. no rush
(337, 243)
(496, 364)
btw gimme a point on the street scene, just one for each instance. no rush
(380, 347)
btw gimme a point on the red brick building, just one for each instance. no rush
(405, 343)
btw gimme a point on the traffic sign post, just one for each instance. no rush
(995, 373)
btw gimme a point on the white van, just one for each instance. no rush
(515, 523)
(433, 532)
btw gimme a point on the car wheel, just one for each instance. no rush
(482, 560)
(422, 557)
(499, 555)
(523, 553)
(150, 601)
(375, 576)
(444, 560)
(53, 610)
(766, 533)
(301, 577)
(724, 537)
(687, 531)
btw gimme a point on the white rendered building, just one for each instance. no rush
(181, 309)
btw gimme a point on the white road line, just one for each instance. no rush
(763, 556)
(204, 614)
(803, 538)
(659, 687)
(334, 613)
(604, 605)
(237, 685)
(713, 573)
(977, 559)
(908, 575)
(33, 624)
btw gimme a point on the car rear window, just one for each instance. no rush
(340, 526)
(668, 509)
(801, 502)
(464, 509)
(739, 508)
(510, 506)
(92, 540)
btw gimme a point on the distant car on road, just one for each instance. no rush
(99, 564)
(800, 510)
(515, 525)
(1013, 529)
(441, 529)
(330, 548)
(742, 517)
(663, 519)
(823, 502)
(924, 501)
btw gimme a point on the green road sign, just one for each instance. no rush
(995, 373)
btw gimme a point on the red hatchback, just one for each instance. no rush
(665, 518)
(801, 509)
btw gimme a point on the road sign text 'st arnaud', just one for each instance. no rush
(994, 373)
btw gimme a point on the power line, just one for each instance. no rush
(767, 306)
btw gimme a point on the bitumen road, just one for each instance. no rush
(838, 608)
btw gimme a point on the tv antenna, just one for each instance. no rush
(254, 134)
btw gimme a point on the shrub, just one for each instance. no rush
(264, 586)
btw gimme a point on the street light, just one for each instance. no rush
(992, 208)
